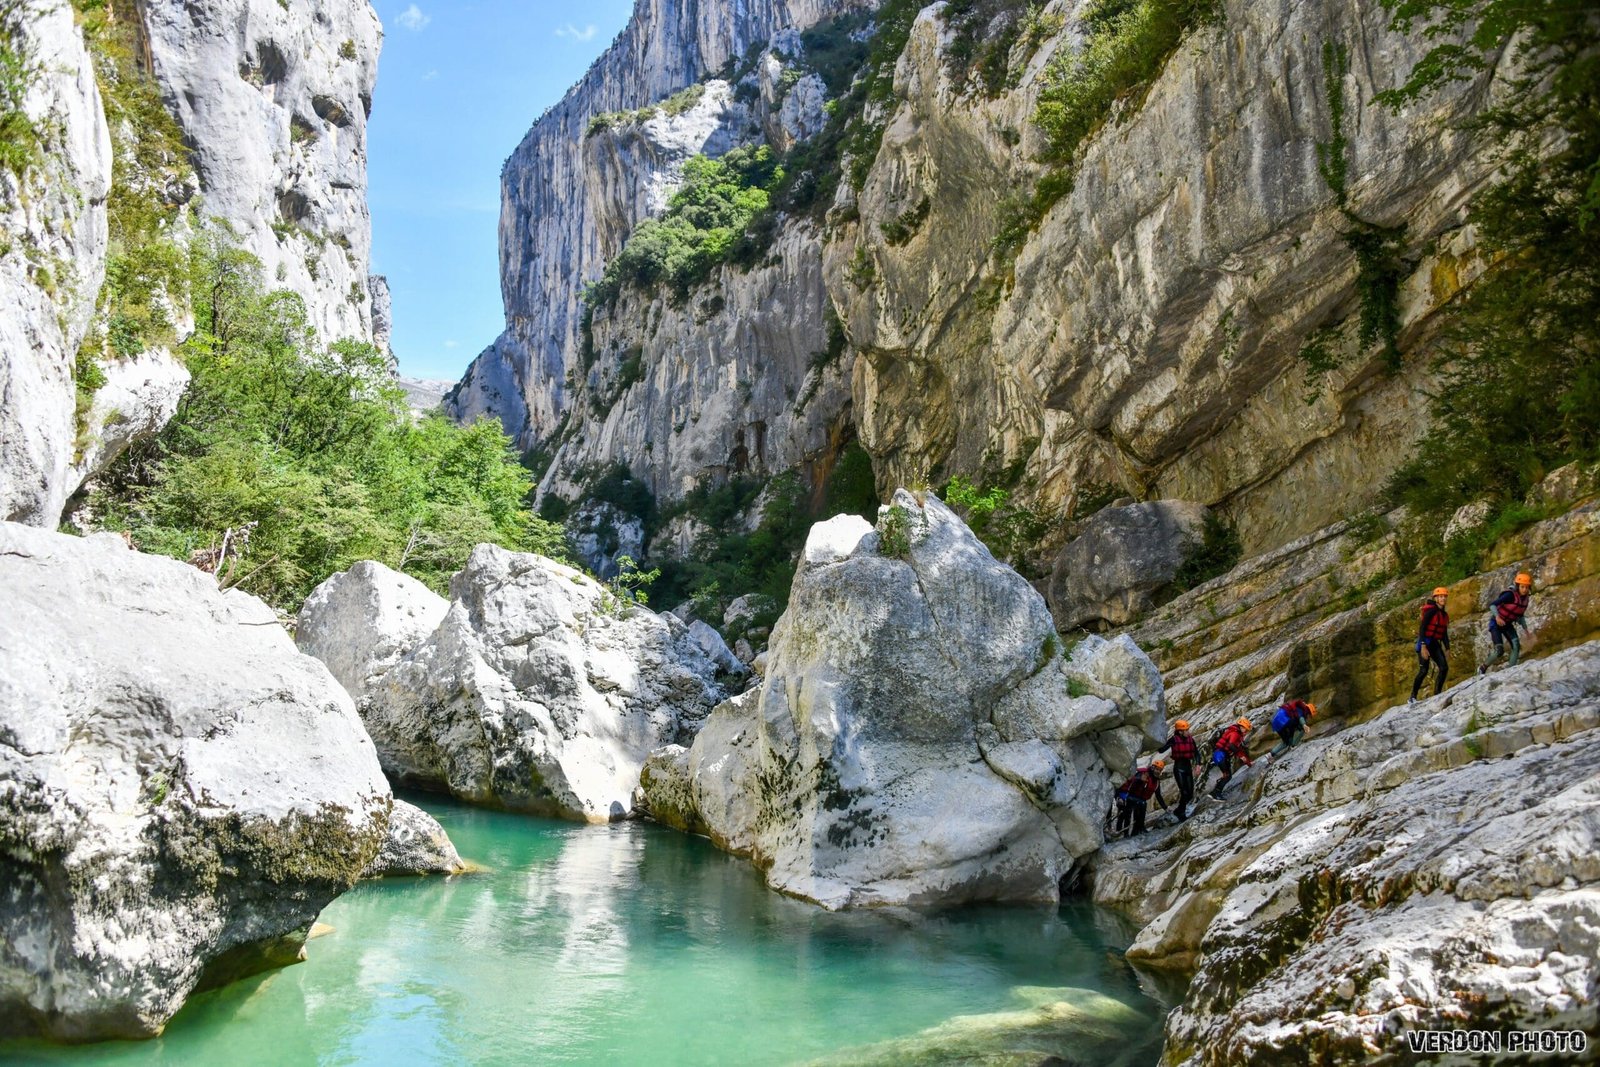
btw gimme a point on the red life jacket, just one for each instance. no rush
(1513, 609)
(1183, 747)
(1142, 784)
(1435, 622)
(1298, 709)
(1232, 739)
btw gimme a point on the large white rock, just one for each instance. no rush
(52, 261)
(1435, 868)
(363, 621)
(139, 396)
(916, 740)
(537, 691)
(181, 792)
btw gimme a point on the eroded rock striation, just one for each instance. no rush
(535, 690)
(181, 792)
(1433, 868)
(916, 739)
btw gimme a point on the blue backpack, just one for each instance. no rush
(1281, 720)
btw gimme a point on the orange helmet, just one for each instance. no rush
(1441, 591)
(1245, 723)
(1157, 764)
(1312, 706)
(1181, 724)
(1524, 578)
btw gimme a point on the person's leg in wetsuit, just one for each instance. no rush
(1183, 774)
(1139, 805)
(1435, 657)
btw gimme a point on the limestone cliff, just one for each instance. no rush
(1143, 336)
(568, 202)
(251, 113)
(273, 101)
(52, 255)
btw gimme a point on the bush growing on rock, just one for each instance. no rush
(314, 445)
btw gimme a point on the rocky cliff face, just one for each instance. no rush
(273, 99)
(52, 260)
(568, 202)
(1146, 333)
(1144, 336)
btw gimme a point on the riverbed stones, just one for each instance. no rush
(181, 792)
(414, 843)
(538, 690)
(1434, 868)
(910, 743)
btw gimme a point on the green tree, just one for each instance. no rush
(1519, 387)
(305, 456)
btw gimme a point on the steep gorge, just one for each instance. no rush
(1145, 336)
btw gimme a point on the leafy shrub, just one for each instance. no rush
(895, 532)
(21, 141)
(314, 446)
(1218, 553)
(1519, 377)
(704, 225)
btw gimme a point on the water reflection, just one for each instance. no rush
(631, 944)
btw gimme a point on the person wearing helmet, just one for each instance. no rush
(1290, 722)
(1230, 746)
(1433, 641)
(1145, 783)
(1184, 751)
(1505, 615)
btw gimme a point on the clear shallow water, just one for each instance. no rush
(627, 944)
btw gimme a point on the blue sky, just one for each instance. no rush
(459, 83)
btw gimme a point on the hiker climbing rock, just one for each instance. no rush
(1290, 723)
(1184, 751)
(1433, 642)
(1228, 746)
(1505, 615)
(1134, 796)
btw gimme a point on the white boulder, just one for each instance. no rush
(916, 739)
(363, 621)
(181, 792)
(537, 690)
(415, 843)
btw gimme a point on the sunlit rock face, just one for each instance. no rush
(533, 688)
(273, 100)
(1434, 868)
(181, 792)
(920, 737)
(52, 261)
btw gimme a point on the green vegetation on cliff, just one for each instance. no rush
(1519, 391)
(705, 225)
(308, 450)
(21, 143)
(1126, 44)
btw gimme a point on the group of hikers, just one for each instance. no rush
(1228, 748)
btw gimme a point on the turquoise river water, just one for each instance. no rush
(631, 944)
